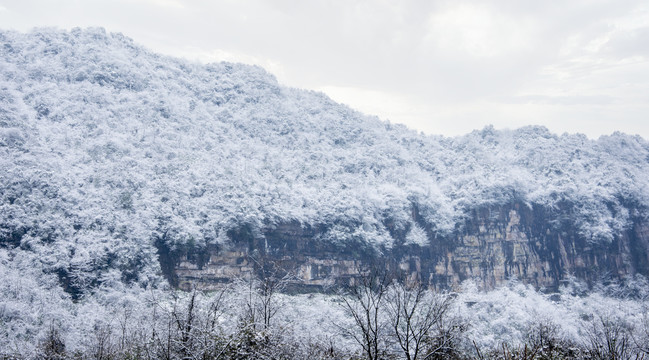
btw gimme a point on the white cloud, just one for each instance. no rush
(166, 3)
(477, 30)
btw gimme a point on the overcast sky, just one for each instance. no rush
(442, 67)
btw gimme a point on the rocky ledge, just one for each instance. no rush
(493, 245)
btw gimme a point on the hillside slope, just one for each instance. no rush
(109, 152)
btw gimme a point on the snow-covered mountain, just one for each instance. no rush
(110, 152)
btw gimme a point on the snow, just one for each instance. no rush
(106, 147)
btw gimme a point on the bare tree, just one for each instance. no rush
(262, 302)
(609, 338)
(184, 321)
(641, 339)
(189, 327)
(197, 333)
(364, 302)
(52, 346)
(416, 319)
(269, 286)
(103, 348)
(132, 334)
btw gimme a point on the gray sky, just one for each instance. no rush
(442, 67)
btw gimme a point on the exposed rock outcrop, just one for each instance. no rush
(495, 244)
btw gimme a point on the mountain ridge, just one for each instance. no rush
(108, 147)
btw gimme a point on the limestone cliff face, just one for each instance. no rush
(492, 246)
(532, 245)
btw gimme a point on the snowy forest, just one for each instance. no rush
(106, 148)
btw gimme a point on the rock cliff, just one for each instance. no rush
(531, 243)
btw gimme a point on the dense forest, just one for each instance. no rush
(107, 148)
